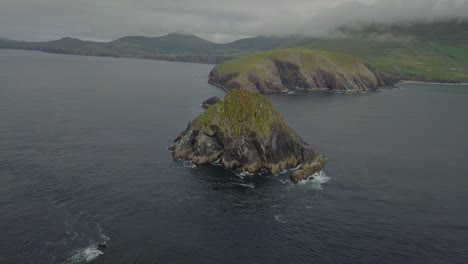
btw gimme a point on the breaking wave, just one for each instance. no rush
(248, 185)
(89, 253)
(316, 180)
(85, 255)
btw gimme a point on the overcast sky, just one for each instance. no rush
(216, 20)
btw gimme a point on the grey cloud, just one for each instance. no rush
(219, 20)
(393, 11)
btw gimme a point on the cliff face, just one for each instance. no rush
(299, 69)
(244, 132)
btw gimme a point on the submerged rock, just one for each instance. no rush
(102, 246)
(245, 133)
(308, 168)
(210, 101)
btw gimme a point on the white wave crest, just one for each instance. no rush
(243, 174)
(249, 185)
(85, 255)
(278, 218)
(316, 180)
(89, 253)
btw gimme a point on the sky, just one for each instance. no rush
(216, 20)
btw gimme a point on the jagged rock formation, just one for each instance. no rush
(244, 132)
(299, 69)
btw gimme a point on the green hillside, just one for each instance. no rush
(175, 43)
(423, 60)
(435, 51)
(431, 52)
(310, 60)
(283, 70)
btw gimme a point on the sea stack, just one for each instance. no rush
(285, 70)
(244, 132)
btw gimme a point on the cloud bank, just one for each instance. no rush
(217, 20)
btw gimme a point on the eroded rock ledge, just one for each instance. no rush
(243, 132)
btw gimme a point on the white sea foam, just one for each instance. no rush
(89, 253)
(104, 238)
(59, 243)
(85, 255)
(74, 234)
(243, 174)
(316, 180)
(185, 164)
(278, 218)
(249, 185)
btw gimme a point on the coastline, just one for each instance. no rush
(200, 59)
(433, 83)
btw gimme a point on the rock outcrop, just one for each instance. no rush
(299, 69)
(210, 102)
(243, 132)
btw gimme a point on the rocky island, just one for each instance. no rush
(244, 132)
(284, 70)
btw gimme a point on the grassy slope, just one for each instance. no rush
(435, 52)
(412, 58)
(240, 113)
(307, 59)
(426, 59)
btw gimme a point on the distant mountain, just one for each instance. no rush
(174, 43)
(436, 51)
(172, 47)
(62, 46)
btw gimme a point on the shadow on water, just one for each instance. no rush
(218, 178)
(240, 194)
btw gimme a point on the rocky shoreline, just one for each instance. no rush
(300, 69)
(243, 132)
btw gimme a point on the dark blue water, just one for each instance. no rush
(83, 158)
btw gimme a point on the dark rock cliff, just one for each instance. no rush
(300, 70)
(243, 132)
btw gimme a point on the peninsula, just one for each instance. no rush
(285, 70)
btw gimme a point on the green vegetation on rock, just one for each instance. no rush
(245, 133)
(310, 59)
(242, 111)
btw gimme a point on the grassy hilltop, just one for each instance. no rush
(282, 70)
(242, 112)
(309, 59)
